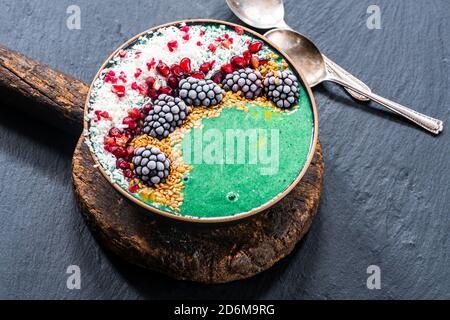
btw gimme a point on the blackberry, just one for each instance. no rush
(200, 92)
(167, 113)
(282, 88)
(151, 165)
(247, 80)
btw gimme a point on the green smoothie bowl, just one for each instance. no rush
(203, 121)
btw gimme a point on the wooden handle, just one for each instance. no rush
(41, 91)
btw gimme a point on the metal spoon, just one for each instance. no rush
(267, 14)
(305, 54)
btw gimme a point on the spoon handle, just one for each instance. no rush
(340, 72)
(428, 123)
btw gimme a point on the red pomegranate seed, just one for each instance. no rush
(172, 45)
(176, 70)
(227, 68)
(163, 69)
(109, 148)
(263, 61)
(123, 77)
(202, 32)
(199, 43)
(114, 132)
(134, 188)
(212, 47)
(110, 141)
(153, 94)
(206, 67)
(184, 28)
(247, 56)
(198, 75)
(172, 82)
(134, 86)
(146, 109)
(238, 62)
(143, 89)
(150, 82)
(151, 64)
(138, 72)
(227, 43)
(120, 152)
(123, 53)
(130, 150)
(186, 37)
(255, 46)
(122, 164)
(118, 90)
(134, 114)
(137, 54)
(218, 39)
(185, 65)
(239, 30)
(130, 123)
(165, 90)
(110, 76)
(254, 62)
(128, 173)
(217, 77)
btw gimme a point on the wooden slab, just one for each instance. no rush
(198, 253)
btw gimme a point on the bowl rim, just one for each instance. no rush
(206, 220)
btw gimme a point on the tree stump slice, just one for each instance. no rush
(207, 254)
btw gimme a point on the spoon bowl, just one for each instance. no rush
(303, 52)
(263, 14)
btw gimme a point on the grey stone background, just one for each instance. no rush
(386, 195)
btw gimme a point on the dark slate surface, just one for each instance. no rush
(386, 196)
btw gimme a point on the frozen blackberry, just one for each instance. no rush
(247, 80)
(200, 92)
(282, 88)
(151, 165)
(166, 114)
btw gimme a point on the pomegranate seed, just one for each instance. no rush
(198, 75)
(206, 67)
(122, 164)
(255, 46)
(163, 69)
(118, 90)
(110, 148)
(130, 150)
(165, 90)
(150, 82)
(212, 47)
(202, 32)
(172, 81)
(172, 45)
(120, 152)
(227, 43)
(247, 42)
(184, 28)
(217, 77)
(114, 132)
(133, 188)
(143, 89)
(151, 64)
(146, 109)
(123, 77)
(218, 39)
(199, 43)
(263, 61)
(138, 72)
(130, 123)
(134, 114)
(137, 54)
(134, 86)
(128, 173)
(153, 94)
(227, 68)
(123, 53)
(176, 70)
(185, 65)
(238, 62)
(110, 141)
(110, 77)
(122, 140)
(247, 56)
(239, 30)
(254, 62)
(186, 37)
